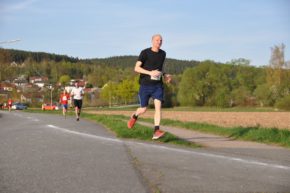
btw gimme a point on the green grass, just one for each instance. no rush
(258, 134)
(194, 109)
(119, 127)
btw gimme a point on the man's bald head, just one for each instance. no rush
(156, 42)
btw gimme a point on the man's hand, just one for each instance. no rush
(155, 73)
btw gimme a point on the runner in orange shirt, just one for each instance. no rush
(64, 97)
(10, 102)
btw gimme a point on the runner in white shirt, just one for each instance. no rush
(77, 93)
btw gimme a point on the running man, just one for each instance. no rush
(77, 94)
(150, 67)
(63, 100)
(10, 102)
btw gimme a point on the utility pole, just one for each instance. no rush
(51, 88)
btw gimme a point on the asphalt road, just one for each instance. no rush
(41, 153)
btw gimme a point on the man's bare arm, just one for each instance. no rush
(141, 70)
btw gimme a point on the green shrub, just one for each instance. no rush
(283, 103)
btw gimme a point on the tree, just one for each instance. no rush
(222, 97)
(5, 60)
(246, 77)
(170, 99)
(283, 103)
(128, 90)
(275, 73)
(241, 96)
(109, 92)
(263, 95)
(198, 85)
(186, 94)
(240, 62)
(278, 78)
(64, 80)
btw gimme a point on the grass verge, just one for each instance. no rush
(119, 127)
(258, 134)
(117, 124)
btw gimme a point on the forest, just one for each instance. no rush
(195, 83)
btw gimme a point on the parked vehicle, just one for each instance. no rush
(19, 106)
(3, 106)
(49, 107)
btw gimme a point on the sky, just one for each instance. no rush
(218, 30)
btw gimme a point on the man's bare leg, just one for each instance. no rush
(157, 115)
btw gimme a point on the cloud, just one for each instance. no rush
(16, 6)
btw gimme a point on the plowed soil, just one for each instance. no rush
(279, 120)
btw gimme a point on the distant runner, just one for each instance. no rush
(10, 102)
(63, 100)
(77, 93)
(150, 66)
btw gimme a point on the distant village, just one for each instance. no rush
(36, 90)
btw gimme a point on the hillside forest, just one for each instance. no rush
(112, 81)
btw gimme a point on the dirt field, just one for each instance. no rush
(264, 119)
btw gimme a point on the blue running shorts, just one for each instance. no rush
(147, 91)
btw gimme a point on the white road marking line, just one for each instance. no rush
(217, 156)
(85, 134)
(245, 161)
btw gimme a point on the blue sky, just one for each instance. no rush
(218, 30)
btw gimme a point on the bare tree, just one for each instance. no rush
(277, 66)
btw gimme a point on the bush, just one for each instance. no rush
(223, 98)
(283, 103)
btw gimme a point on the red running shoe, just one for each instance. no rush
(157, 134)
(131, 122)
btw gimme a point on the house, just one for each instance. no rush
(34, 79)
(39, 81)
(31, 97)
(7, 86)
(4, 94)
(20, 82)
(39, 84)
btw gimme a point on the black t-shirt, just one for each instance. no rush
(151, 61)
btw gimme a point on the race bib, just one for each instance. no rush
(64, 98)
(156, 77)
